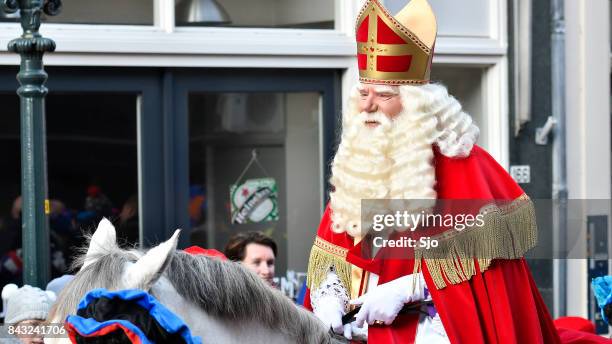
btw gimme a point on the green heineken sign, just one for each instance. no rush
(254, 201)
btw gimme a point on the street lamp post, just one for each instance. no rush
(32, 77)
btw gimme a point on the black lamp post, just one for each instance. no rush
(32, 77)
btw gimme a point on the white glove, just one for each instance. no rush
(359, 333)
(386, 300)
(330, 312)
(329, 303)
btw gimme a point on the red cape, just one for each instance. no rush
(501, 305)
(569, 336)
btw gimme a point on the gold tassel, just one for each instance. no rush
(322, 261)
(508, 233)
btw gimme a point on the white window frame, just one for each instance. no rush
(165, 45)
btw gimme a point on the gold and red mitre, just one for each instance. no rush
(395, 50)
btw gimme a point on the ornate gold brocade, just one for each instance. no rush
(325, 256)
(508, 232)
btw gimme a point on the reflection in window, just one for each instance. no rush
(312, 14)
(92, 173)
(114, 12)
(465, 84)
(225, 129)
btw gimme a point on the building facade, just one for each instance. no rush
(143, 102)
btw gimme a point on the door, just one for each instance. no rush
(233, 128)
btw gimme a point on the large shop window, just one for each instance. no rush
(92, 173)
(465, 84)
(466, 18)
(311, 14)
(254, 163)
(113, 12)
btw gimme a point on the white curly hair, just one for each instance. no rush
(455, 132)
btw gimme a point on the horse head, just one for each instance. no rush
(106, 265)
(142, 273)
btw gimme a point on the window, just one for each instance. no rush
(116, 12)
(312, 14)
(465, 84)
(455, 18)
(283, 131)
(92, 158)
(91, 168)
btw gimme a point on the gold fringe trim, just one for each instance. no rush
(325, 256)
(508, 233)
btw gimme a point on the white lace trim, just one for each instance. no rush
(330, 289)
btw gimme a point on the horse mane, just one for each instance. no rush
(226, 290)
(230, 291)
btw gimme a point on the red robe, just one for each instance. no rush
(501, 305)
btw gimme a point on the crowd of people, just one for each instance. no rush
(28, 307)
(68, 228)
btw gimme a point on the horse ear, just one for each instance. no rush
(102, 241)
(148, 268)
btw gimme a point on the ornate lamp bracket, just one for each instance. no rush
(31, 42)
(50, 7)
(10, 6)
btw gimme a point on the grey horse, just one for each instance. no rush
(222, 302)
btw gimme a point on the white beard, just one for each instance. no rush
(390, 161)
